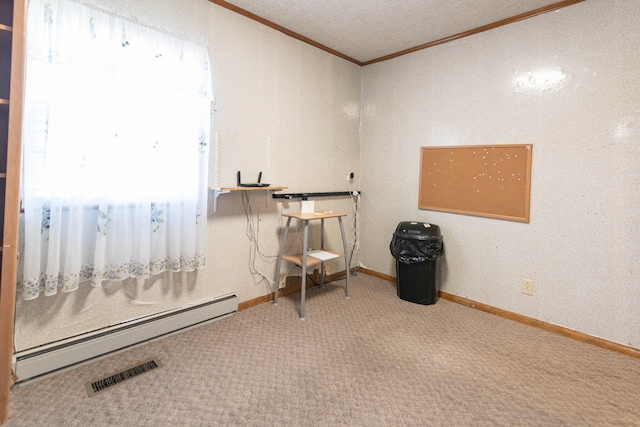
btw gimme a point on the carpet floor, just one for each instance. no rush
(372, 360)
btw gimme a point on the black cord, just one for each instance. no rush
(304, 196)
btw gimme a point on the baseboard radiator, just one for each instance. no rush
(50, 359)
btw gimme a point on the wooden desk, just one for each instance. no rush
(302, 259)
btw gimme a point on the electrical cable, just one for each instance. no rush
(355, 242)
(253, 231)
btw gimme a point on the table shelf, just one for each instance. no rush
(311, 261)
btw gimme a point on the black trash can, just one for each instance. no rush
(417, 247)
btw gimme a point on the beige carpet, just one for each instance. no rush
(373, 360)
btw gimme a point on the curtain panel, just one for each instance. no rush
(115, 149)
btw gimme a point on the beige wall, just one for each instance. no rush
(581, 246)
(284, 108)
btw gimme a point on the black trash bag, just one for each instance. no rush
(415, 242)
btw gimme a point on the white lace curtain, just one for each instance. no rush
(115, 149)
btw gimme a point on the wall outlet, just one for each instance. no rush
(527, 287)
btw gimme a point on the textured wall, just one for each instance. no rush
(284, 108)
(581, 245)
(566, 82)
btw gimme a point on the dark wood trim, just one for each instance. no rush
(559, 330)
(377, 274)
(11, 207)
(293, 285)
(256, 301)
(520, 17)
(502, 22)
(283, 30)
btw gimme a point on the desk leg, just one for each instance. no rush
(279, 262)
(347, 261)
(322, 247)
(303, 290)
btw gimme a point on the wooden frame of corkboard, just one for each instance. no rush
(484, 180)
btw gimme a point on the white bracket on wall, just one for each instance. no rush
(216, 193)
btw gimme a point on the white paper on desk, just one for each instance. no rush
(322, 255)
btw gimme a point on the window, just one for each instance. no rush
(115, 149)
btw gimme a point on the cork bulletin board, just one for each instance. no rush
(484, 180)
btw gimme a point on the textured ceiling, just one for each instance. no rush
(365, 30)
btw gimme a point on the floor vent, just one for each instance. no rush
(50, 359)
(95, 387)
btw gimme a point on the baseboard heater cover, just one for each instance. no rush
(46, 360)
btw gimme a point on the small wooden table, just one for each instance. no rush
(303, 259)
